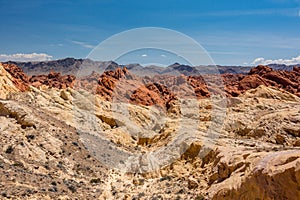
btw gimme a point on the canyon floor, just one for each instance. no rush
(67, 138)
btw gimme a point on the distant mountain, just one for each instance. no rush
(234, 69)
(65, 66)
(86, 66)
(282, 67)
(180, 69)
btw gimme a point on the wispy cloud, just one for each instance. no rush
(25, 57)
(263, 61)
(83, 44)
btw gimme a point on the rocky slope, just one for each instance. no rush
(6, 83)
(118, 136)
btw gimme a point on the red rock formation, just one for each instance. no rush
(260, 70)
(297, 70)
(20, 79)
(161, 89)
(264, 75)
(287, 80)
(120, 85)
(199, 86)
(53, 79)
(152, 94)
(108, 80)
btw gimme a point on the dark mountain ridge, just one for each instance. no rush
(86, 66)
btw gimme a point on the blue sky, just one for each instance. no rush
(234, 32)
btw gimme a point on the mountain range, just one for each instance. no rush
(86, 66)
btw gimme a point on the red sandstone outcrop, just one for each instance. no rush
(161, 89)
(263, 75)
(152, 94)
(20, 79)
(120, 85)
(288, 80)
(108, 80)
(53, 79)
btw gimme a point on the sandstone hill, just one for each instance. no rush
(115, 135)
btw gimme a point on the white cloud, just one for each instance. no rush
(144, 55)
(25, 57)
(163, 55)
(263, 61)
(83, 44)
